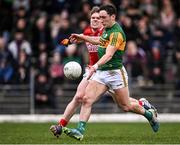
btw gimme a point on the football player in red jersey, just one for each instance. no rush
(95, 29)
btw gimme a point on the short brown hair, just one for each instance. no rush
(95, 9)
(109, 8)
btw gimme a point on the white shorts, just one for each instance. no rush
(114, 79)
(86, 73)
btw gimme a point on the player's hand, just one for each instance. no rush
(91, 71)
(75, 38)
(65, 42)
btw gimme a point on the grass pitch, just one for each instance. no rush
(97, 133)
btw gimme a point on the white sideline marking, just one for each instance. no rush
(126, 117)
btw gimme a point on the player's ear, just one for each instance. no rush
(113, 17)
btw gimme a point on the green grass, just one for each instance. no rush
(97, 133)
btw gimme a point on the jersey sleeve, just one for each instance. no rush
(116, 39)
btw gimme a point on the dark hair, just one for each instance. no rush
(95, 9)
(109, 8)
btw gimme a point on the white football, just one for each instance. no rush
(72, 70)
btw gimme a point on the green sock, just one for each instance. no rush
(148, 115)
(81, 126)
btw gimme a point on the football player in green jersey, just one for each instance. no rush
(108, 73)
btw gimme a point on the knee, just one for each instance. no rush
(79, 97)
(87, 101)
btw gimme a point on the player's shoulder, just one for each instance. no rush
(90, 32)
(117, 29)
(87, 31)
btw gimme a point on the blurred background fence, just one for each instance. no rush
(20, 99)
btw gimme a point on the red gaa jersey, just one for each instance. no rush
(92, 49)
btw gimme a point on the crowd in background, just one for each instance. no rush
(30, 32)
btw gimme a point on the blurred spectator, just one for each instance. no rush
(167, 15)
(41, 33)
(130, 29)
(177, 54)
(42, 47)
(64, 32)
(42, 64)
(149, 8)
(145, 33)
(6, 63)
(167, 22)
(42, 5)
(56, 69)
(85, 12)
(6, 22)
(177, 74)
(22, 74)
(136, 63)
(133, 11)
(21, 3)
(124, 5)
(55, 26)
(105, 2)
(44, 96)
(158, 34)
(19, 43)
(156, 64)
(83, 24)
(20, 13)
(52, 6)
(22, 25)
(64, 14)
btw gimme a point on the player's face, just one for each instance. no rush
(106, 19)
(95, 21)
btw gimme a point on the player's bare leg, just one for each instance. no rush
(123, 100)
(142, 101)
(112, 93)
(77, 100)
(70, 109)
(93, 91)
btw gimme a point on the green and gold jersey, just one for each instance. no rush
(113, 36)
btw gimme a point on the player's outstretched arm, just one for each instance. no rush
(110, 50)
(105, 58)
(74, 38)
